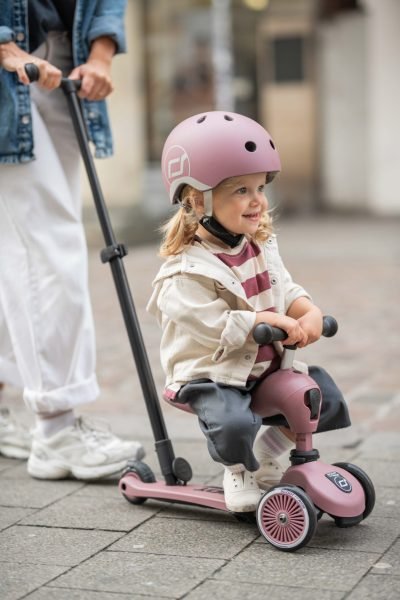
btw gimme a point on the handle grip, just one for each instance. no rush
(32, 72)
(68, 85)
(265, 334)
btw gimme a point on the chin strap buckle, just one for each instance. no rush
(112, 252)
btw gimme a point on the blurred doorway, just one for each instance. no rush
(288, 102)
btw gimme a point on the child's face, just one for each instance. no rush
(239, 202)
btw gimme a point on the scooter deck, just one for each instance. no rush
(199, 494)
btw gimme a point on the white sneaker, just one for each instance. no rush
(269, 474)
(241, 491)
(15, 440)
(87, 450)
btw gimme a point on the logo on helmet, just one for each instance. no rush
(176, 163)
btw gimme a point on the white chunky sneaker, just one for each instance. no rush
(269, 474)
(87, 450)
(15, 440)
(241, 491)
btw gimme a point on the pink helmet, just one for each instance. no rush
(207, 148)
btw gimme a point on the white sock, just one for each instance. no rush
(48, 425)
(239, 468)
(273, 443)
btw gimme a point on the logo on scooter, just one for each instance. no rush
(340, 481)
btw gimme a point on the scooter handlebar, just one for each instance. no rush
(264, 334)
(33, 74)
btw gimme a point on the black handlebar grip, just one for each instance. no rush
(265, 334)
(329, 326)
(32, 72)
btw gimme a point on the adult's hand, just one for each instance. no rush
(13, 59)
(95, 74)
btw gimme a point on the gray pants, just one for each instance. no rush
(230, 426)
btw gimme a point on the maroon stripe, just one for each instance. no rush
(256, 285)
(249, 251)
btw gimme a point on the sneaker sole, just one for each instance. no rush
(240, 509)
(266, 485)
(14, 452)
(52, 469)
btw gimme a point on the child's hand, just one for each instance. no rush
(293, 328)
(311, 325)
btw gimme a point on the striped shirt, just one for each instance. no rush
(248, 263)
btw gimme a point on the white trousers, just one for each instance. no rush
(47, 343)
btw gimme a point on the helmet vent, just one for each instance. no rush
(228, 118)
(202, 119)
(250, 146)
(272, 144)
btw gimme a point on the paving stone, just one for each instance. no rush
(376, 587)
(47, 593)
(188, 538)
(18, 579)
(7, 463)
(387, 503)
(234, 590)
(381, 472)
(88, 512)
(372, 535)
(389, 564)
(16, 470)
(147, 574)
(307, 568)
(10, 515)
(53, 546)
(34, 493)
(380, 446)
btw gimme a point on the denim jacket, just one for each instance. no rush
(93, 19)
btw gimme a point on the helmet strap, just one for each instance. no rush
(214, 227)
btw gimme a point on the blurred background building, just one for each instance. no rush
(320, 75)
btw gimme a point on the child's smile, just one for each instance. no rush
(239, 203)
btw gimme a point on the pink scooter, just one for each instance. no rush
(287, 514)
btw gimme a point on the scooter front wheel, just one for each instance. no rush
(286, 517)
(143, 472)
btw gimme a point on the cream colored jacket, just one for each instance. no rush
(206, 318)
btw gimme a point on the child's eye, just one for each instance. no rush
(261, 188)
(242, 190)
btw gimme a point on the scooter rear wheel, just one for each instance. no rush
(286, 517)
(365, 482)
(143, 472)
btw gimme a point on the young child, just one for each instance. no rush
(222, 276)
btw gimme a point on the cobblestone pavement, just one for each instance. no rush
(71, 540)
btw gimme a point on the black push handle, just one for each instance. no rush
(33, 74)
(265, 334)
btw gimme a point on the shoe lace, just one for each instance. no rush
(93, 430)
